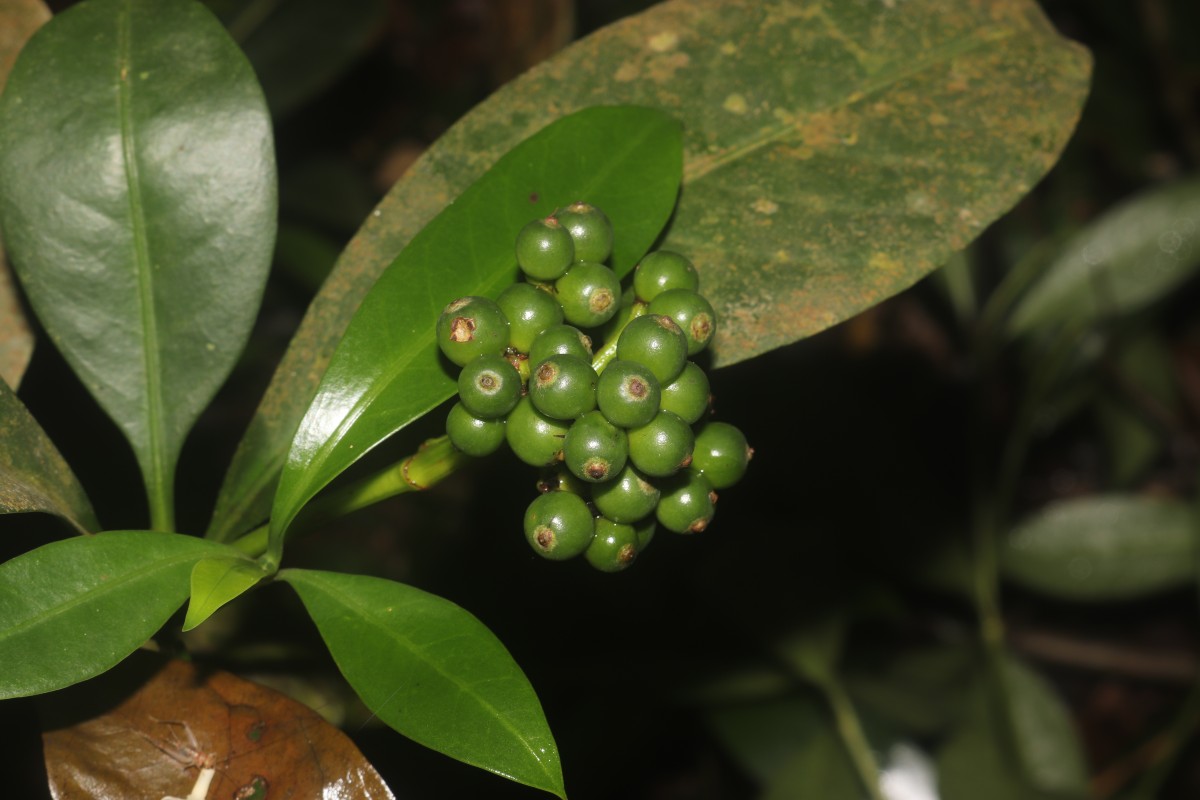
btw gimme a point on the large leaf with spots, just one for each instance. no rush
(835, 152)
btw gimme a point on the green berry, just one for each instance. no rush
(656, 342)
(472, 435)
(530, 311)
(533, 437)
(560, 340)
(627, 394)
(489, 387)
(687, 504)
(626, 498)
(688, 395)
(721, 454)
(590, 230)
(693, 314)
(595, 450)
(590, 294)
(661, 271)
(559, 525)
(545, 249)
(614, 547)
(663, 446)
(645, 532)
(471, 327)
(563, 387)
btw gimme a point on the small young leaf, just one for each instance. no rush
(1106, 547)
(1127, 259)
(386, 371)
(72, 609)
(216, 581)
(1047, 744)
(33, 476)
(412, 657)
(137, 197)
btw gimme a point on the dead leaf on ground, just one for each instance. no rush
(171, 716)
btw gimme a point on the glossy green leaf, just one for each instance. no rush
(298, 47)
(216, 581)
(72, 609)
(137, 198)
(1130, 257)
(1105, 547)
(386, 371)
(1046, 742)
(33, 475)
(433, 672)
(835, 152)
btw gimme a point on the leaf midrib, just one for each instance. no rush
(367, 615)
(158, 472)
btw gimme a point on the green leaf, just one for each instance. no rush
(433, 672)
(813, 651)
(386, 371)
(18, 20)
(763, 736)
(216, 581)
(1047, 744)
(72, 609)
(1105, 547)
(33, 475)
(819, 768)
(1144, 398)
(876, 139)
(977, 762)
(1130, 257)
(137, 197)
(298, 47)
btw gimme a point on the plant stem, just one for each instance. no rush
(434, 460)
(613, 332)
(853, 739)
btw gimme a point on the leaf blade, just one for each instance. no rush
(376, 628)
(216, 581)
(51, 597)
(1104, 548)
(148, 271)
(33, 475)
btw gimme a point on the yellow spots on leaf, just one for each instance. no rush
(882, 262)
(626, 72)
(728, 49)
(662, 42)
(764, 206)
(937, 119)
(735, 104)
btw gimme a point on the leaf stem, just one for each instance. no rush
(612, 332)
(434, 460)
(853, 739)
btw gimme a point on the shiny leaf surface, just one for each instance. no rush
(1106, 547)
(216, 581)
(72, 609)
(140, 744)
(137, 197)
(1047, 744)
(433, 672)
(1128, 258)
(387, 370)
(835, 153)
(33, 475)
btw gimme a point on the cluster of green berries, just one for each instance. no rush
(621, 432)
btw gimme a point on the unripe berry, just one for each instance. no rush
(472, 435)
(559, 525)
(661, 271)
(545, 249)
(562, 340)
(590, 294)
(687, 504)
(530, 311)
(626, 498)
(489, 387)
(662, 446)
(656, 342)
(614, 547)
(590, 230)
(533, 437)
(594, 449)
(693, 314)
(721, 454)
(688, 395)
(563, 387)
(627, 394)
(471, 327)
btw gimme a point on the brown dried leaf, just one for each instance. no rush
(262, 744)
